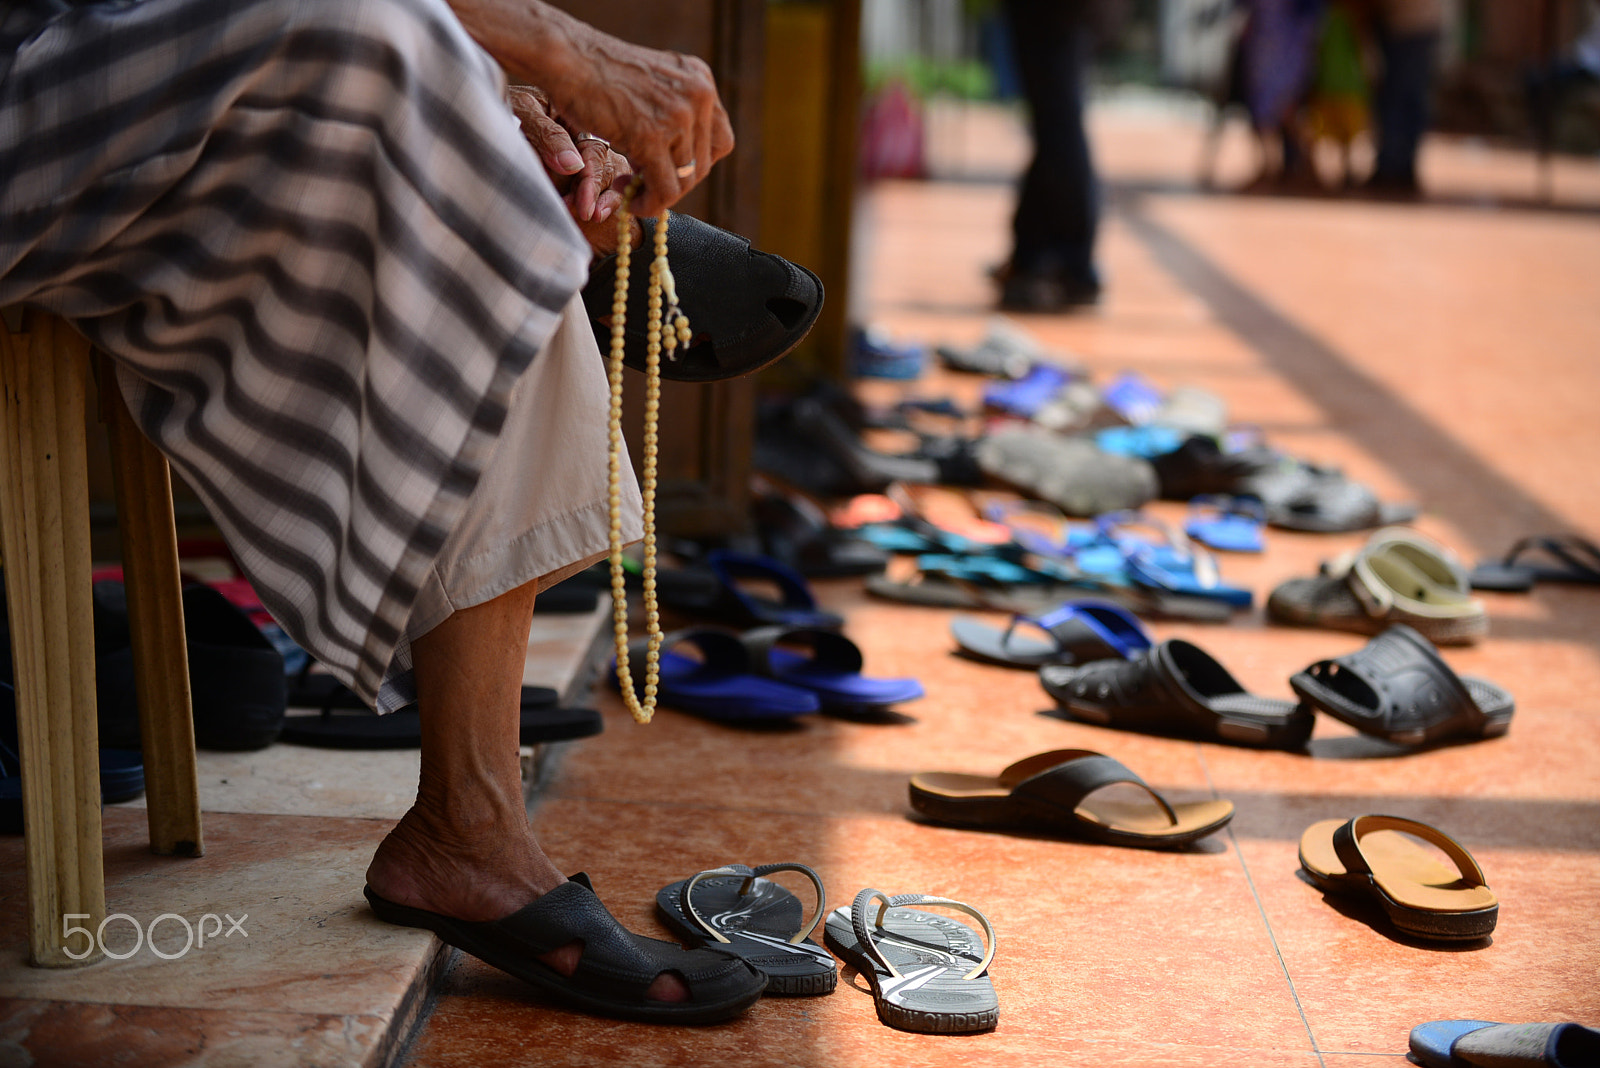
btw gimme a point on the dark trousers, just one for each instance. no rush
(1400, 104)
(1058, 205)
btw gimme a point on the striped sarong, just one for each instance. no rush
(314, 240)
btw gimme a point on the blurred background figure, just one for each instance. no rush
(1052, 265)
(1407, 34)
(1278, 61)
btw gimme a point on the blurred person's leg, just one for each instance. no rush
(1401, 107)
(1052, 260)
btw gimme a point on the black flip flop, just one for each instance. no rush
(746, 308)
(1577, 560)
(1054, 792)
(543, 720)
(616, 968)
(1398, 688)
(737, 910)
(1176, 688)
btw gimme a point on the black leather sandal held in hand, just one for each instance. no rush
(748, 308)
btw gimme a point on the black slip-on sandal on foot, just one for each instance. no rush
(746, 308)
(737, 910)
(616, 968)
(929, 973)
(1371, 856)
(1176, 688)
(1056, 791)
(1398, 688)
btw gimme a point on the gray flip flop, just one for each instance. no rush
(929, 973)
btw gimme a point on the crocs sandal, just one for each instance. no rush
(712, 591)
(929, 973)
(747, 308)
(1371, 856)
(1075, 633)
(1230, 524)
(616, 968)
(1482, 1044)
(1058, 791)
(1398, 688)
(1176, 688)
(832, 671)
(735, 909)
(1575, 560)
(1397, 577)
(717, 683)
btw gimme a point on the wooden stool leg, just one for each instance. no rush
(44, 521)
(155, 619)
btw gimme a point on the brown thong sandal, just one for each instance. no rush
(1060, 791)
(1371, 855)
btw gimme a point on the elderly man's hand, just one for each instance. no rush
(659, 109)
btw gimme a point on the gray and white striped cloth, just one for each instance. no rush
(313, 238)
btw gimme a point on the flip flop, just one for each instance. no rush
(1576, 560)
(719, 684)
(1370, 856)
(616, 968)
(929, 973)
(747, 308)
(1398, 576)
(1057, 791)
(832, 671)
(941, 589)
(1168, 562)
(735, 909)
(713, 591)
(1176, 688)
(1026, 395)
(542, 721)
(1075, 633)
(1482, 1044)
(1231, 524)
(1398, 688)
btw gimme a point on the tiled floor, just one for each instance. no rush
(1445, 353)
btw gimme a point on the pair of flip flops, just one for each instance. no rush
(1073, 633)
(928, 972)
(1483, 1044)
(1398, 576)
(1377, 857)
(767, 673)
(1396, 687)
(1061, 792)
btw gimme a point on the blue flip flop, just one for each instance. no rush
(1482, 1044)
(832, 672)
(719, 684)
(1029, 393)
(1172, 563)
(1075, 633)
(1232, 524)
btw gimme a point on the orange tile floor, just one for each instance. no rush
(1444, 353)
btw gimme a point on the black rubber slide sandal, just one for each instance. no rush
(543, 720)
(738, 910)
(746, 308)
(929, 973)
(616, 968)
(1059, 792)
(1398, 688)
(1176, 688)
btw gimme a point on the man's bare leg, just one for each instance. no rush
(466, 849)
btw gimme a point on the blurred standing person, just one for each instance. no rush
(1058, 205)
(1279, 44)
(1407, 34)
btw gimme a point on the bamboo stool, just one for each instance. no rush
(44, 539)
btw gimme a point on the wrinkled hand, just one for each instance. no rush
(588, 175)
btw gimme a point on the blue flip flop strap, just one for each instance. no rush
(729, 566)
